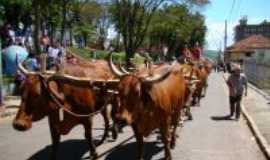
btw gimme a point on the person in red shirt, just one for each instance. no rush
(186, 53)
(197, 52)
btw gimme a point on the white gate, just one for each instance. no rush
(257, 73)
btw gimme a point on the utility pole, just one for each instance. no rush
(225, 58)
(1, 77)
(225, 36)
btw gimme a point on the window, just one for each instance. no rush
(248, 54)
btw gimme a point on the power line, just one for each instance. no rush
(231, 10)
(214, 39)
(240, 8)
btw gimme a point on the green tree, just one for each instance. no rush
(14, 11)
(131, 19)
(175, 25)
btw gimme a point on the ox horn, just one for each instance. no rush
(24, 70)
(80, 81)
(124, 70)
(114, 69)
(158, 78)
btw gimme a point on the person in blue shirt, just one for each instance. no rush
(31, 63)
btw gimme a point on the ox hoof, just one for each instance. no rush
(172, 145)
(93, 156)
(190, 118)
(114, 135)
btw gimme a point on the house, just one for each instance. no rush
(244, 30)
(253, 46)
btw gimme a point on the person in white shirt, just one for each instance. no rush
(237, 84)
(53, 53)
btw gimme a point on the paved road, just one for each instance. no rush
(207, 137)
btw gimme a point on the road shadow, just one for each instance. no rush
(129, 151)
(222, 118)
(68, 150)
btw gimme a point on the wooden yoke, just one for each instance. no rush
(43, 64)
(61, 65)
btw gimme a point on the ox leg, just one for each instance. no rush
(89, 138)
(166, 136)
(107, 125)
(115, 126)
(176, 119)
(139, 139)
(188, 113)
(114, 131)
(204, 90)
(55, 136)
(198, 98)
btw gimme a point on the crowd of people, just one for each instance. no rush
(17, 46)
(22, 36)
(16, 35)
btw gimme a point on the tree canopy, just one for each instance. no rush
(137, 23)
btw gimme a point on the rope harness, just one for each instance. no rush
(63, 109)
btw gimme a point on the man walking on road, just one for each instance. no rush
(237, 83)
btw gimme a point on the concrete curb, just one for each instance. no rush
(6, 114)
(261, 141)
(264, 94)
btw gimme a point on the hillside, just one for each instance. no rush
(212, 54)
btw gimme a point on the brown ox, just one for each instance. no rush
(188, 71)
(208, 65)
(152, 103)
(204, 70)
(41, 98)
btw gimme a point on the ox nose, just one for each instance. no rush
(21, 125)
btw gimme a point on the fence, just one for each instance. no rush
(258, 73)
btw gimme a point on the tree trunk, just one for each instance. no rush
(70, 36)
(64, 21)
(37, 26)
(85, 40)
(129, 55)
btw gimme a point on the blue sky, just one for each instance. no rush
(219, 10)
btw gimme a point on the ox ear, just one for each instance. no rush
(138, 89)
(194, 82)
(55, 91)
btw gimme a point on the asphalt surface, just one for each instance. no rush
(208, 137)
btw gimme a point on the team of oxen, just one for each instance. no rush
(147, 98)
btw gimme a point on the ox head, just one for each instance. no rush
(33, 100)
(192, 79)
(133, 93)
(191, 75)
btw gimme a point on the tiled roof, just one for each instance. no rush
(250, 44)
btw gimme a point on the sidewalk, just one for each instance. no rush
(258, 107)
(256, 110)
(10, 107)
